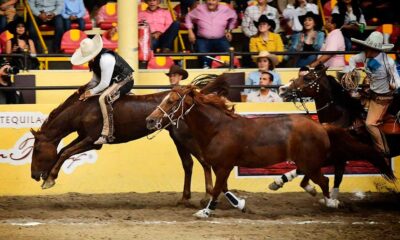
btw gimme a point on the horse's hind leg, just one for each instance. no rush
(75, 147)
(280, 181)
(318, 178)
(222, 175)
(339, 171)
(307, 186)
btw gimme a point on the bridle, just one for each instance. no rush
(174, 120)
(297, 92)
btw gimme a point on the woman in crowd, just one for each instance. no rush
(21, 43)
(292, 12)
(309, 39)
(334, 42)
(266, 39)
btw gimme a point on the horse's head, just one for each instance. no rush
(307, 85)
(172, 108)
(44, 156)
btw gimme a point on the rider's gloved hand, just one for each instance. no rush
(85, 96)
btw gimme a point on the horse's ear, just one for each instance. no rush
(34, 133)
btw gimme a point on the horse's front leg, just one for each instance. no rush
(339, 171)
(235, 201)
(75, 147)
(222, 175)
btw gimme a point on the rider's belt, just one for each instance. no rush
(382, 97)
(120, 78)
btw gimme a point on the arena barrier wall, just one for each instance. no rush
(139, 166)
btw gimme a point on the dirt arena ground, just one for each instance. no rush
(157, 216)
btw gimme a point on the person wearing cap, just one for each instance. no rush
(266, 39)
(384, 79)
(112, 77)
(264, 94)
(309, 39)
(176, 74)
(266, 63)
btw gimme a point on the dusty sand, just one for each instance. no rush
(157, 216)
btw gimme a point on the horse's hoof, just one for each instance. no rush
(273, 186)
(242, 205)
(185, 202)
(48, 183)
(204, 202)
(203, 213)
(331, 203)
(311, 190)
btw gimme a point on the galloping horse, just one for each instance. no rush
(85, 118)
(229, 140)
(335, 106)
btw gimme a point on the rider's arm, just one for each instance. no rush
(107, 63)
(394, 72)
(358, 58)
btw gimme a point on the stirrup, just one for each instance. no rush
(102, 140)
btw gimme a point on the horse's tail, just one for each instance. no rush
(345, 147)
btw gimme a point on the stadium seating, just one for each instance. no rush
(4, 37)
(107, 15)
(160, 63)
(216, 64)
(110, 42)
(88, 22)
(71, 39)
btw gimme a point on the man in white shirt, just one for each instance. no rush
(384, 80)
(264, 94)
(112, 77)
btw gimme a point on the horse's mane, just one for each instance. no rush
(53, 114)
(221, 103)
(343, 98)
(217, 85)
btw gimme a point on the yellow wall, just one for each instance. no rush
(139, 166)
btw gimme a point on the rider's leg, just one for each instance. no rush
(104, 111)
(376, 112)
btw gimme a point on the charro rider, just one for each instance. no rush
(112, 76)
(384, 80)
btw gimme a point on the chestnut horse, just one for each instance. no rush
(229, 140)
(336, 107)
(85, 118)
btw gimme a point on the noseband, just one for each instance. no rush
(174, 110)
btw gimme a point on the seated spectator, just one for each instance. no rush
(8, 96)
(333, 42)
(214, 23)
(266, 39)
(309, 39)
(163, 29)
(47, 12)
(176, 74)
(252, 14)
(354, 21)
(73, 11)
(21, 43)
(264, 94)
(293, 11)
(266, 63)
(7, 12)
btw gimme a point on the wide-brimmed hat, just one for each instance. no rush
(315, 17)
(272, 57)
(374, 41)
(175, 69)
(89, 48)
(265, 19)
(12, 26)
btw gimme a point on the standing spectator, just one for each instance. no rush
(47, 12)
(7, 12)
(266, 63)
(176, 74)
(266, 39)
(251, 14)
(214, 23)
(309, 39)
(264, 94)
(163, 29)
(333, 42)
(21, 43)
(354, 21)
(293, 11)
(74, 11)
